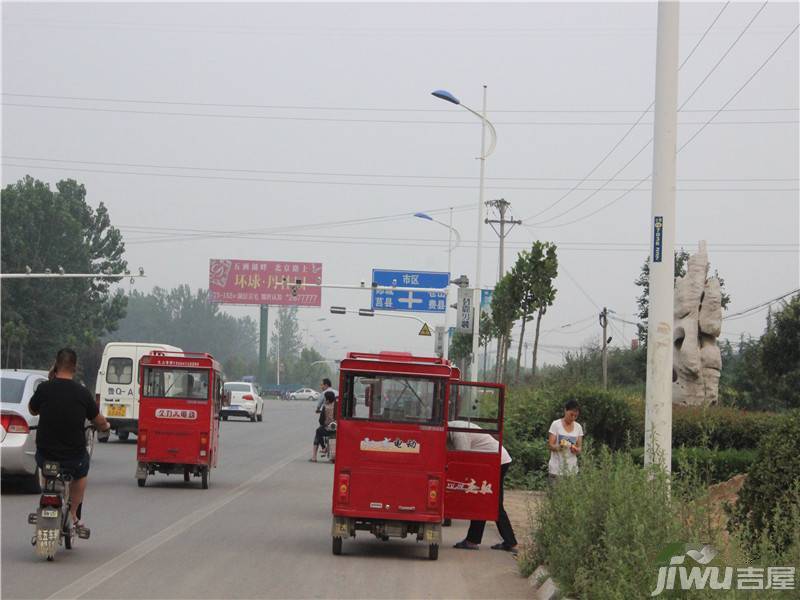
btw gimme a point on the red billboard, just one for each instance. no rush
(264, 282)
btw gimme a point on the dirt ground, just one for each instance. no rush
(520, 505)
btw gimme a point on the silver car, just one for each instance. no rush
(18, 431)
(304, 394)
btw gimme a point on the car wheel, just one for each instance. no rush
(261, 417)
(140, 482)
(124, 435)
(253, 418)
(91, 436)
(224, 417)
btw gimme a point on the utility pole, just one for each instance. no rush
(604, 325)
(278, 354)
(658, 394)
(501, 206)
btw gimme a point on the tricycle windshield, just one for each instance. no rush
(161, 382)
(393, 397)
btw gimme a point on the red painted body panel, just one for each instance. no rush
(172, 430)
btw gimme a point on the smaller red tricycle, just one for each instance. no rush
(179, 402)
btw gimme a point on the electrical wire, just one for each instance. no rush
(365, 108)
(632, 127)
(761, 305)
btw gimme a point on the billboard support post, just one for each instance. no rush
(263, 333)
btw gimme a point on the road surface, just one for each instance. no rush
(261, 530)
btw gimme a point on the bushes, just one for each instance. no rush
(771, 493)
(719, 427)
(600, 531)
(712, 465)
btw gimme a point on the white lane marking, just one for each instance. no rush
(110, 568)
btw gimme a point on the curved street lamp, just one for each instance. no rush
(476, 299)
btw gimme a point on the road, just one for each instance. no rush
(262, 530)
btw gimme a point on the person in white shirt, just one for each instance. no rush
(483, 442)
(565, 439)
(324, 387)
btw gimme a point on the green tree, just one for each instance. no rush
(505, 310)
(285, 341)
(643, 281)
(44, 229)
(534, 274)
(780, 354)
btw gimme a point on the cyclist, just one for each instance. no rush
(63, 406)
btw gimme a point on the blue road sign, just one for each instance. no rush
(658, 238)
(409, 300)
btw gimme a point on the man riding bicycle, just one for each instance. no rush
(63, 406)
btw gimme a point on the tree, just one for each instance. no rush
(45, 229)
(188, 320)
(780, 353)
(643, 281)
(534, 273)
(285, 341)
(505, 310)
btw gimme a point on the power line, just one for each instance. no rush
(631, 128)
(361, 120)
(365, 108)
(742, 313)
(376, 175)
(366, 183)
(643, 179)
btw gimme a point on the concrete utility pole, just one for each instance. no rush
(604, 325)
(658, 395)
(501, 206)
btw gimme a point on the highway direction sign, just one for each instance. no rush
(409, 300)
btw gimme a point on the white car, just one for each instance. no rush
(18, 431)
(304, 394)
(243, 401)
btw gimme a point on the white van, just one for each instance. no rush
(117, 388)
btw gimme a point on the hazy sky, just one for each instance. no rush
(259, 130)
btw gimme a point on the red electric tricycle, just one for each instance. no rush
(179, 405)
(395, 473)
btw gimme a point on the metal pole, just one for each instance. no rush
(658, 408)
(446, 344)
(263, 332)
(476, 298)
(604, 325)
(278, 353)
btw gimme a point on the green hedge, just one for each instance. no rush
(715, 465)
(719, 427)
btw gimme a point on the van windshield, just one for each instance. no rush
(162, 382)
(395, 397)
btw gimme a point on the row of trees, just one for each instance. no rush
(44, 229)
(523, 294)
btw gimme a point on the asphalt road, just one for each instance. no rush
(261, 530)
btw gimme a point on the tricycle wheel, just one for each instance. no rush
(123, 436)
(140, 482)
(204, 478)
(337, 545)
(433, 551)
(186, 474)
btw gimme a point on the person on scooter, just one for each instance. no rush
(63, 405)
(326, 417)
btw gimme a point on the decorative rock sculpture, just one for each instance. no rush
(698, 322)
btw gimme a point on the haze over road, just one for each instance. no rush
(262, 530)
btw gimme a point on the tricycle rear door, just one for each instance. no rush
(475, 438)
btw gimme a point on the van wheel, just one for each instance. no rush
(433, 551)
(204, 479)
(140, 482)
(337, 545)
(124, 435)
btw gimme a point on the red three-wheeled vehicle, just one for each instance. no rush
(395, 473)
(179, 403)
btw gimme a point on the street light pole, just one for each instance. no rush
(476, 299)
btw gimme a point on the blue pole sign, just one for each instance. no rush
(409, 300)
(658, 239)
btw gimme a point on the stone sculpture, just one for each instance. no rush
(698, 323)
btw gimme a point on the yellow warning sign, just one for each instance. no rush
(425, 330)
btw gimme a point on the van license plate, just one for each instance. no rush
(50, 514)
(116, 411)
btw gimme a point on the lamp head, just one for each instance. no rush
(445, 95)
(422, 215)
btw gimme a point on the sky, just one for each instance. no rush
(308, 132)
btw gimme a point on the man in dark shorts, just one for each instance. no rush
(63, 406)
